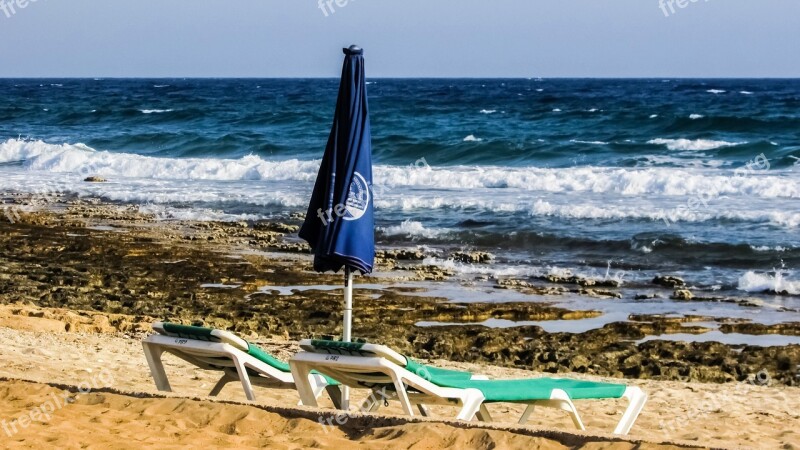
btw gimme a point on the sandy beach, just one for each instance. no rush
(116, 404)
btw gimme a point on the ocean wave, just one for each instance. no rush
(81, 159)
(693, 144)
(411, 228)
(589, 210)
(716, 91)
(764, 282)
(155, 111)
(625, 182)
(576, 141)
(696, 116)
(524, 270)
(472, 138)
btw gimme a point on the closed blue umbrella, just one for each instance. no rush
(339, 224)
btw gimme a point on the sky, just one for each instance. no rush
(408, 38)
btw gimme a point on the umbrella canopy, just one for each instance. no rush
(339, 224)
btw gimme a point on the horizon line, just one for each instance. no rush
(99, 78)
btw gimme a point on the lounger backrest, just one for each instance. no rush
(200, 334)
(353, 349)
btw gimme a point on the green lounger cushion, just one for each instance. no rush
(265, 357)
(536, 388)
(432, 374)
(190, 332)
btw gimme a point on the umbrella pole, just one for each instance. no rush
(348, 323)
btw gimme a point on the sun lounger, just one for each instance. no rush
(392, 376)
(237, 359)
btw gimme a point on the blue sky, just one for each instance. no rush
(408, 38)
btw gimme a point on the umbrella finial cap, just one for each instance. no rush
(353, 50)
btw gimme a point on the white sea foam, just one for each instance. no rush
(411, 228)
(588, 210)
(79, 158)
(664, 160)
(638, 193)
(765, 248)
(693, 144)
(488, 111)
(653, 116)
(716, 91)
(155, 111)
(557, 110)
(696, 116)
(576, 141)
(745, 92)
(472, 138)
(761, 282)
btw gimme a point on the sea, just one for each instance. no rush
(602, 178)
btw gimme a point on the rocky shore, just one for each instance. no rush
(85, 255)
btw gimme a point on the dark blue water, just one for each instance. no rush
(646, 176)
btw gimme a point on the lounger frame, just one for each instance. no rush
(235, 364)
(365, 371)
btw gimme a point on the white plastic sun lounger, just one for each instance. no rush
(220, 350)
(380, 369)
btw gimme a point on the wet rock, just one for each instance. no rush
(95, 179)
(506, 283)
(472, 257)
(668, 281)
(682, 294)
(277, 227)
(149, 274)
(580, 281)
(597, 293)
(401, 254)
(788, 328)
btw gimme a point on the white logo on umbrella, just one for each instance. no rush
(357, 198)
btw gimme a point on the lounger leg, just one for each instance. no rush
(371, 403)
(300, 374)
(424, 410)
(472, 402)
(402, 396)
(153, 355)
(483, 414)
(220, 384)
(245, 379)
(318, 384)
(637, 399)
(562, 401)
(526, 414)
(335, 394)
